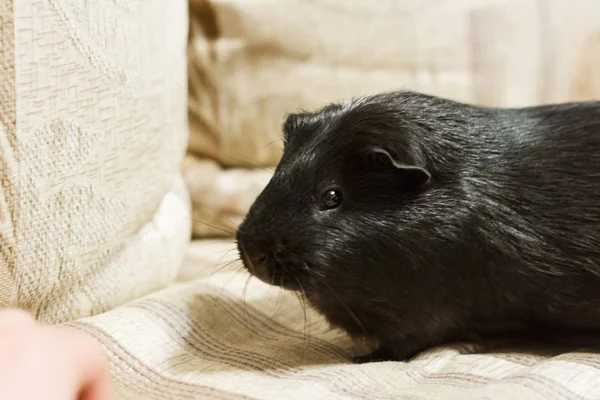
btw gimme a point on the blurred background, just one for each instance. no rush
(253, 61)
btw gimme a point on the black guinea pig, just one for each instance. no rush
(414, 220)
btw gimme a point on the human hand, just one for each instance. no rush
(49, 362)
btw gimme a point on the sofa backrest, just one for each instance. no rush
(93, 211)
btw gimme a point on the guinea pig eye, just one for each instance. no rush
(330, 199)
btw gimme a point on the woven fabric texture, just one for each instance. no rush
(220, 197)
(251, 62)
(93, 208)
(221, 335)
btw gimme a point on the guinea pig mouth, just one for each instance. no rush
(285, 281)
(273, 272)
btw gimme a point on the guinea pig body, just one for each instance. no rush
(413, 220)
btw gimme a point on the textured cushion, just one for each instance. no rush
(220, 197)
(223, 336)
(93, 210)
(254, 61)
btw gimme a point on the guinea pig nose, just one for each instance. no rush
(259, 267)
(259, 259)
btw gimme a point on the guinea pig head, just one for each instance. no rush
(326, 221)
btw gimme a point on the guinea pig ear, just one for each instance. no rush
(292, 123)
(410, 175)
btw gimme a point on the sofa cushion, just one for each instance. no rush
(220, 197)
(251, 62)
(93, 209)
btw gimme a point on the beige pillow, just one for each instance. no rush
(220, 197)
(254, 61)
(93, 209)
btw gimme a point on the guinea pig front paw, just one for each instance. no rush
(382, 354)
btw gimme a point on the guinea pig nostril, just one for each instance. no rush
(260, 259)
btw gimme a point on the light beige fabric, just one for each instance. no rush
(8, 287)
(93, 101)
(222, 336)
(254, 61)
(220, 197)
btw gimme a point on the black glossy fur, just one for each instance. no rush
(504, 238)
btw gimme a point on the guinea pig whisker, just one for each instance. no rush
(305, 266)
(221, 260)
(231, 233)
(302, 299)
(281, 293)
(244, 302)
(345, 306)
(222, 267)
(315, 272)
(227, 283)
(272, 279)
(253, 162)
(274, 141)
(226, 251)
(234, 225)
(299, 297)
